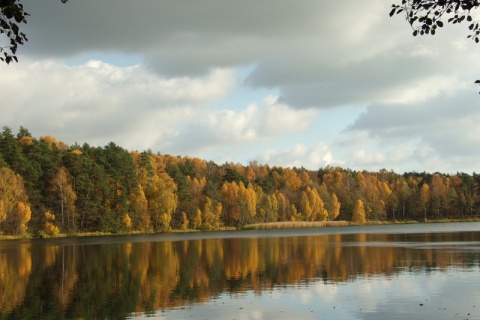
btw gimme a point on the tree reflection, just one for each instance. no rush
(66, 281)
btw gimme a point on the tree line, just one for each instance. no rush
(48, 187)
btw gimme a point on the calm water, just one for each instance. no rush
(373, 272)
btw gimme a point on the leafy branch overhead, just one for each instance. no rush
(12, 14)
(426, 16)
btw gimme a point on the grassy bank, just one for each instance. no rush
(295, 224)
(322, 224)
(255, 226)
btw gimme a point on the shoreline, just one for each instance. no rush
(284, 225)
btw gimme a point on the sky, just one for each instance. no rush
(306, 83)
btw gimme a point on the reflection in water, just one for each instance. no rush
(53, 279)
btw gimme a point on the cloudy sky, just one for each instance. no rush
(288, 83)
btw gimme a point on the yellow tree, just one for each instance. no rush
(184, 223)
(292, 181)
(3, 214)
(335, 207)
(207, 214)
(250, 174)
(49, 228)
(305, 207)
(162, 201)
(385, 193)
(369, 187)
(50, 140)
(359, 212)
(318, 206)
(15, 211)
(424, 199)
(217, 212)
(211, 214)
(272, 213)
(21, 216)
(197, 219)
(141, 216)
(195, 188)
(312, 206)
(295, 216)
(66, 199)
(437, 195)
(284, 212)
(455, 198)
(248, 203)
(127, 222)
(267, 208)
(305, 178)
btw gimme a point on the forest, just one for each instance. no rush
(49, 188)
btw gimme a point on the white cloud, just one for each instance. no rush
(265, 121)
(299, 156)
(422, 90)
(99, 102)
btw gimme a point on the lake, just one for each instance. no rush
(416, 271)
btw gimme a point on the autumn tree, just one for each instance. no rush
(184, 223)
(312, 206)
(370, 191)
(424, 199)
(305, 207)
(305, 178)
(65, 197)
(230, 206)
(208, 216)
(162, 201)
(437, 195)
(141, 220)
(127, 222)
(211, 214)
(359, 212)
(284, 208)
(197, 219)
(15, 210)
(335, 207)
(49, 227)
(292, 181)
(248, 204)
(267, 208)
(455, 198)
(195, 189)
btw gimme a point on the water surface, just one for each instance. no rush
(372, 272)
